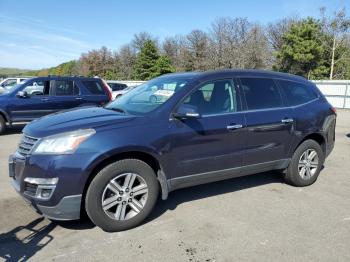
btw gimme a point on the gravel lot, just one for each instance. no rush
(255, 218)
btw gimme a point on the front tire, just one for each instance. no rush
(305, 165)
(2, 124)
(122, 195)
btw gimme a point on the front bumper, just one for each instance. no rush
(64, 201)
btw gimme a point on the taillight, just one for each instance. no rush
(334, 110)
(108, 90)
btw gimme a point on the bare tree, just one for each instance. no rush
(229, 38)
(140, 38)
(257, 48)
(127, 58)
(197, 44)
(336, 29)
(275, 31)
(97, 62)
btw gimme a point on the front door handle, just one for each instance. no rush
(44, 99)
(234, 127)
(287, 120)
(78, 98)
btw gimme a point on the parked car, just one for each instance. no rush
(116, 87)
(37, 97)
(113, 161)
(118, 94)
(8, 83)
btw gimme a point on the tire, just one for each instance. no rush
(153, 99)
(103, 189)
(301, 171)
(2, 124)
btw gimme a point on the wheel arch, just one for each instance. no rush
(318, 137)
(5, 116)
(146, 157)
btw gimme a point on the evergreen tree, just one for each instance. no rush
(145, 66)
(163, 66)
(302, 52)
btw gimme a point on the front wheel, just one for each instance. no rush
(305, 165)
(122, 195)
(2, 124)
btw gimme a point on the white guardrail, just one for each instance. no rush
(130, 82)
(337, 92)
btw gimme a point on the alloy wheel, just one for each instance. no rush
(124, 196)
(308, 164)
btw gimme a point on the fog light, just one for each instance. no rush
(45, 192)
(40, 188)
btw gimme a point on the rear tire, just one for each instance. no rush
(2, 124)
(122, 195)
(305, 165)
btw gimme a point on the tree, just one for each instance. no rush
(140, 39)
(97, 62)
(236, 43)
(197, 46)
(276, 31)
(127, 59)
(302, 52)
(335, 29)
(257, 49)
(163, 66)
(145, 66)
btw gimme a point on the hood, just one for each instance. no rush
(89, 117)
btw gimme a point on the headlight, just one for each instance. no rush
(65, 143)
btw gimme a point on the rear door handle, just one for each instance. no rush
(44, 99)
(287, 120)
(78, 98)
(234, 127)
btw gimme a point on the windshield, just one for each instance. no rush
(149, 96)
(11, 89)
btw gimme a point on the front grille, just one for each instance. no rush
(26, 145)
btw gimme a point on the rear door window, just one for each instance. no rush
(261, 93)
(66, 88)
(94, 87)
(297, 93)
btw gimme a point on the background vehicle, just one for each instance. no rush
(114, 161)
(8, 83)
(122, 92)
(117, 88)
(37, 97)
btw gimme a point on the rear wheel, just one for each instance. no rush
(305, 164)
(153, 99)
(2, 124)
(122, 195)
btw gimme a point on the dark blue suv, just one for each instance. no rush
(174, 131)
(40, 96)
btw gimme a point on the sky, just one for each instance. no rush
(42, 33)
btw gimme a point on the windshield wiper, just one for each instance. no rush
(116, 109)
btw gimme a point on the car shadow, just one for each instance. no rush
(348, 135)
(23, 242)
(180, 196)
(81, 224)
(213, 189)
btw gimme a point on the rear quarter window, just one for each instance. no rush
(261, 93)
(94, 87)
(297, 93)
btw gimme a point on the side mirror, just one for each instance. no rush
(22, 94)
(187, 111)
